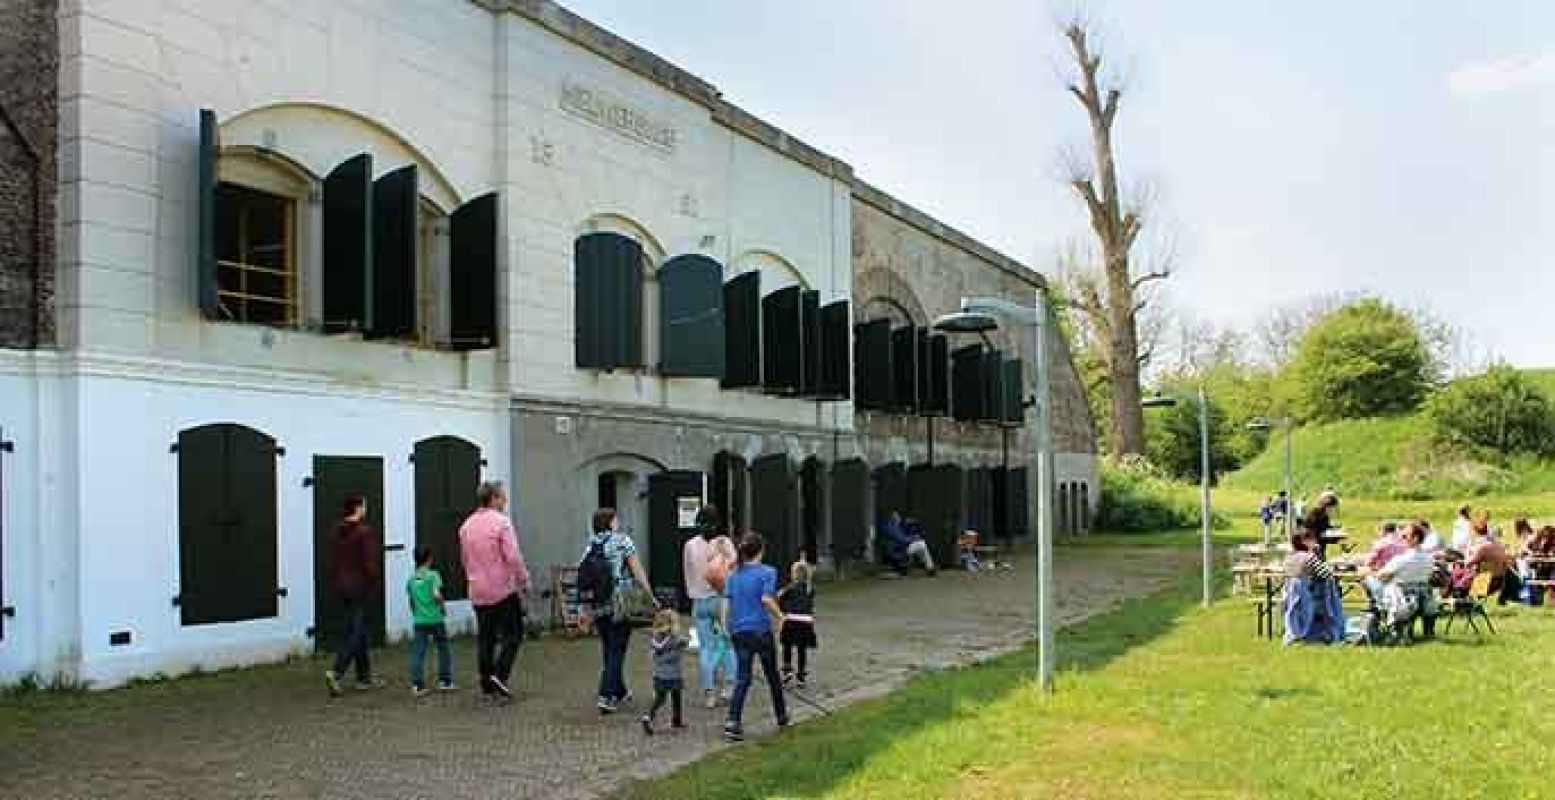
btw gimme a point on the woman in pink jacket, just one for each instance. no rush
(494, 566)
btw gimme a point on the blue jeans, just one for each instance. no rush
(714, 649)
(613, 639)
(747, 648)
(418, 654)
(353, 648)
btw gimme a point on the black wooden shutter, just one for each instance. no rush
(966, 383)
(691, 318)
(5, 608)
(742, 331)
(448, 470)
(227, 524)
(780, 342)
(873, 367)
(666, 539)
(890, 486)
(348, 245)
(608, 301)
(992, 386)
(835, 349)
(206, 177)
(812, 352)
(1014, 391)
(810, 502)
(774, 509)
(850, 490)
(395, 198)
(904, 369)
(472, 274)
(933, 375)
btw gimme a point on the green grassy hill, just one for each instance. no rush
(1391, 457)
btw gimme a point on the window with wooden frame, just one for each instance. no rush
(257, 240)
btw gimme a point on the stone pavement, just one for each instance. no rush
(271, 732)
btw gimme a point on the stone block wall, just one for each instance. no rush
(29, 113)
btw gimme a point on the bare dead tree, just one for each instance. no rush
(1113, 297)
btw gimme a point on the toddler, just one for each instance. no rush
(668, 681)
(798, 603)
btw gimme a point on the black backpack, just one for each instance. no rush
(596, 580)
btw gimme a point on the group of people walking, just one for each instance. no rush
(739, 614)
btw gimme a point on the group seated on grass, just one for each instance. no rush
(1410, 576)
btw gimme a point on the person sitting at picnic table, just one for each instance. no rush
(904, 544)
(1401, 587)
(1389, 543)
(1319, 521)
(1540, 549)
(1463, 529)
(1432, 541)
(1313, 613)
(1485, 554)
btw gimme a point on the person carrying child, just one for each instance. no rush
(428, 614)
(668, 680)
(797, 600)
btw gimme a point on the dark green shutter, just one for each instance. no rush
(5, 608)
(395, 199)
(348, 245)
(780, 342)
(850, 491)
(472, 274)
(904, 369)
(1014, 393)
(811, 349)
(742, 331)
(666, 538)
(873, 366)
(810, 502)
(933, 375)
(205, 252)
(448, 471)
(691, 318)
(774, 509)
(992, 388)
(966, 383)
(836, 366)
(227, 524)
(607, 301)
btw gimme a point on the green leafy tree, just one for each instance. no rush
(1500, 410)
(1363, 359)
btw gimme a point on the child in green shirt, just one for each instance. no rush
(425, 588)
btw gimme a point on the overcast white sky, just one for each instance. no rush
(1395, 146)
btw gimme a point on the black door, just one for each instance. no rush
(334, 479)
(448, 471)
(227, 561)
(775, 509)
(674, 498)
(5, 609)
(890, 484)
(728, 491)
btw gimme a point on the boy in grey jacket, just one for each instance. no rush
(668, 680)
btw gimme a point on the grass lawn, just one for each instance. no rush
(1162, 699)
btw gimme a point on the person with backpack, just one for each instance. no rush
(707, 559)
(609, 574)
(354, 571)
(496, 575)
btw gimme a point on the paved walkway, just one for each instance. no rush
(271, 732)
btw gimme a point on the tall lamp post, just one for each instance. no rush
(980, 315)
(1207, 545)
(1290, 498)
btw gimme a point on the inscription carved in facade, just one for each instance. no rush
(608, 111)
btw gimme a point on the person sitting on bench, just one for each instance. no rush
(904, 544)
(1402, 586)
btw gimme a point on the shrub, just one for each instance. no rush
(1363, 359)
(1134, 499)
(1500, 410)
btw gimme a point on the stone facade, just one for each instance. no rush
(29, 112)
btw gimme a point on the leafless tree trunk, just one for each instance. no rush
(1112, 300)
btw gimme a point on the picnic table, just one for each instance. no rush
(1267, 608)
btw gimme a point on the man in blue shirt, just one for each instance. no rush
(904, 544)
(752, 590)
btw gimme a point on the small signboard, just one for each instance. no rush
(686, 510)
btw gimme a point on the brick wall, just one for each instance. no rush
(29, 95)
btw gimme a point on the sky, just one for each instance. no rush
(1291, 150)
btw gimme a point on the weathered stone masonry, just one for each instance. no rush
(29, 94)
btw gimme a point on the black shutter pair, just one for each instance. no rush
(691, 318)
(742, 331)
(227, 532)
(607, 301)
(782, 356)
(874, 374)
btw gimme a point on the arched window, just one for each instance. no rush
(258, 231)
(615, 295)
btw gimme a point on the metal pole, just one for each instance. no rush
(1042, 441)
(1204, 511)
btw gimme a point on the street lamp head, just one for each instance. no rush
(966, 322)
(1158, 401)
(1258, 425)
